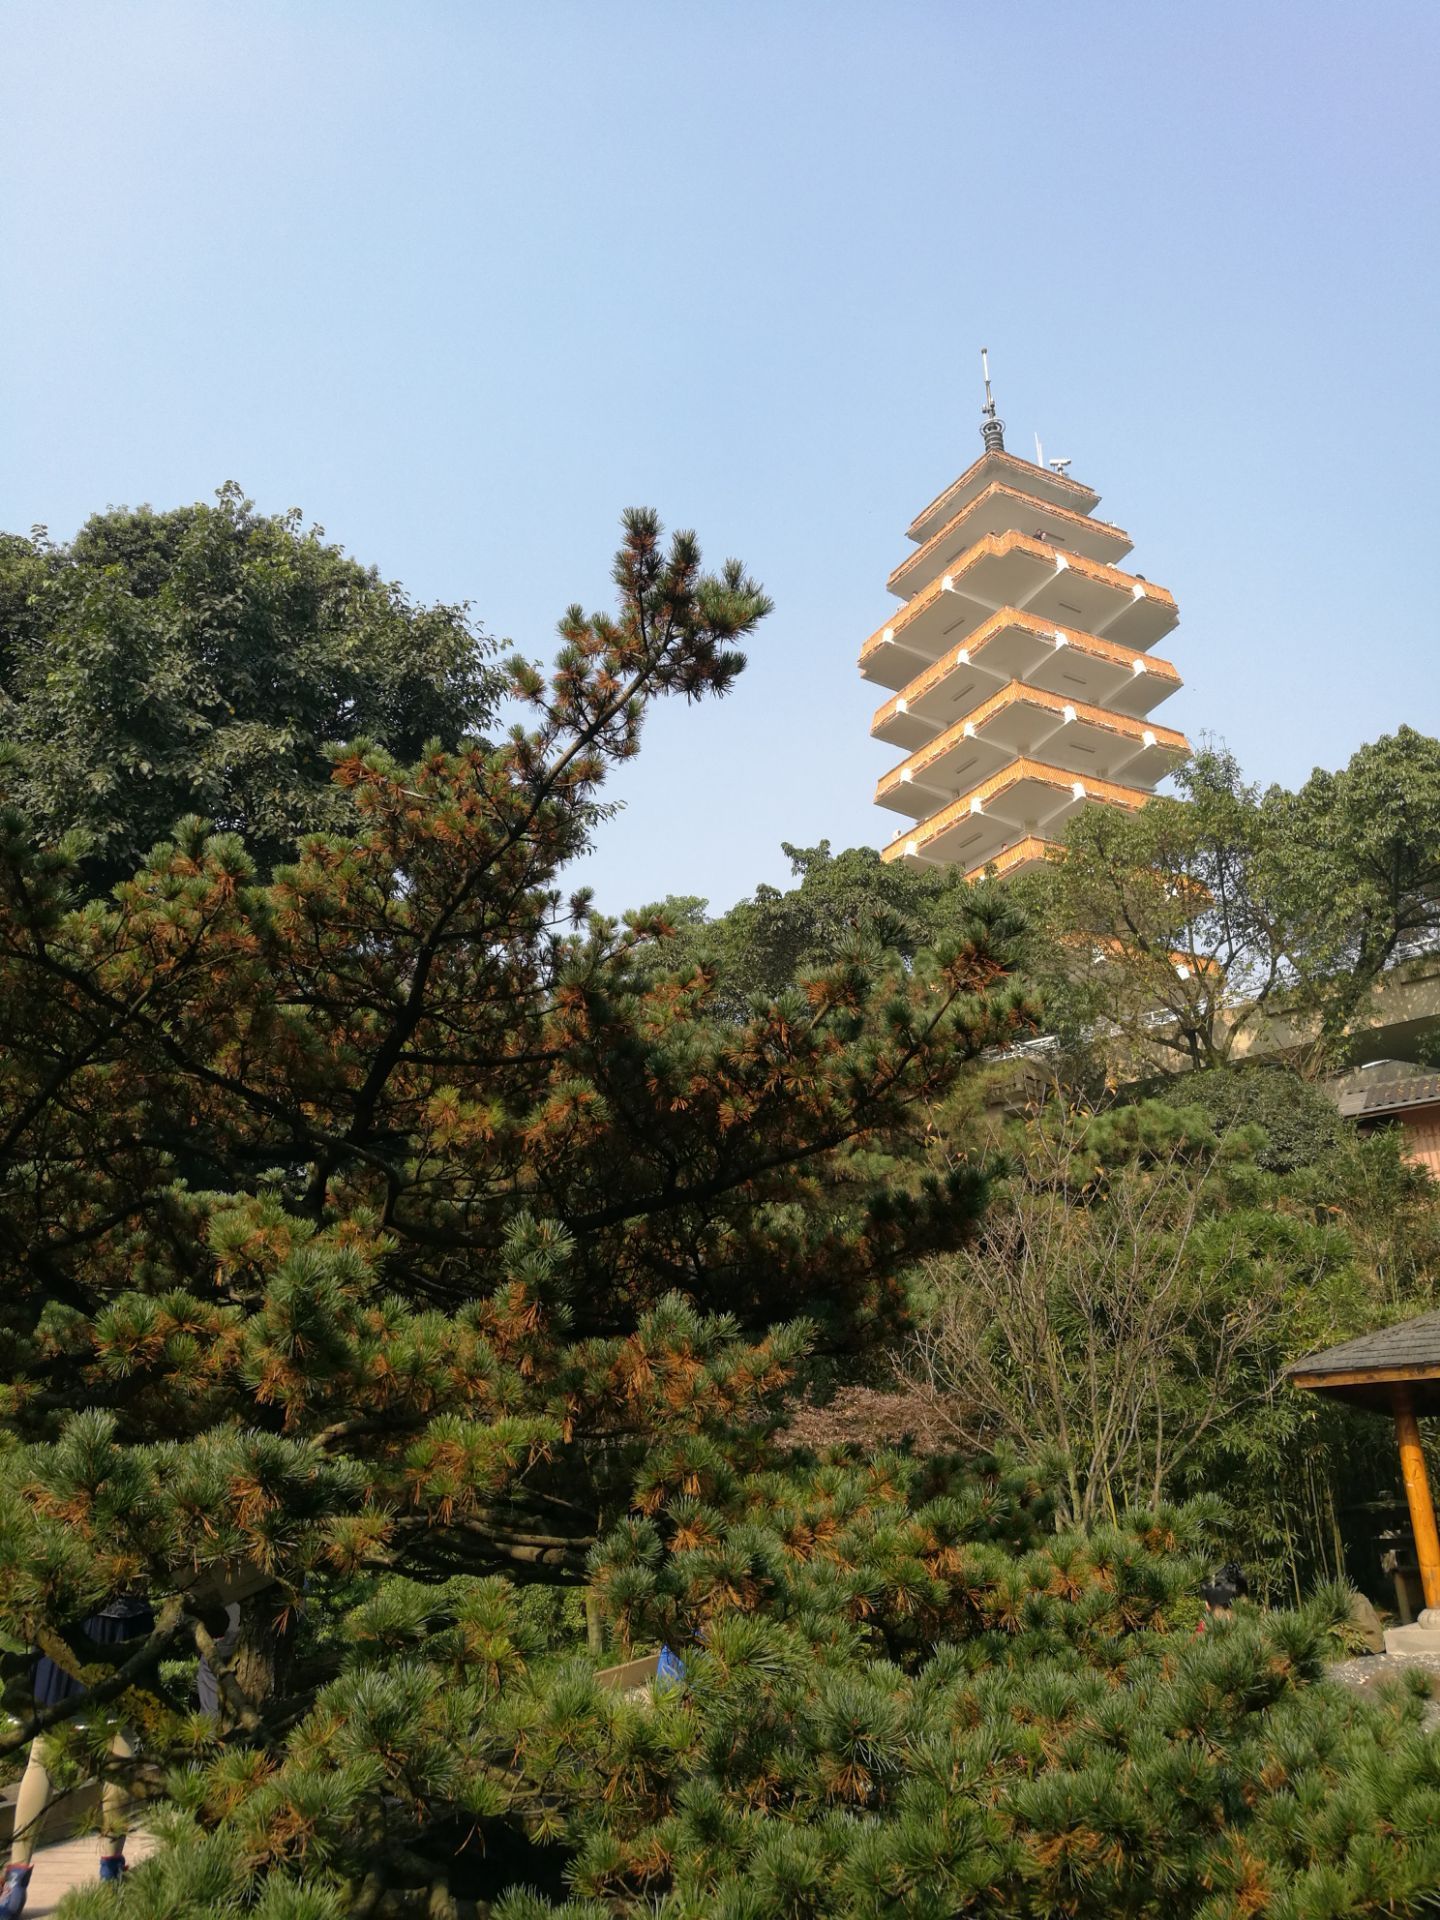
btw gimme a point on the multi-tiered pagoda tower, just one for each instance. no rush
(1022, 663)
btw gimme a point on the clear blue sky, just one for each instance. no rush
(464, 280)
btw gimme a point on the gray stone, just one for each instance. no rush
(1416, 1639)
(1366, 1622)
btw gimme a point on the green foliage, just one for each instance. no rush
(395, 1223)
(412, 1026)
(1120, 1302)
(849, 902)
(1300, 1124)
(1137, 1289)
(1181, 933)
(1356, 1232)
(203, 661)
(393, 1247)
(1355, 855)
(1154, 926)
(903, 1693)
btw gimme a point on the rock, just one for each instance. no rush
(1366, 1622)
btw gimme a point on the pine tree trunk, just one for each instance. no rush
(257, 1650)
(595, 1634)
(255, 1670)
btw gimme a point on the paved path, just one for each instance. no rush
(70, 1864)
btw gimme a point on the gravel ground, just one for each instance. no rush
(1371, 1669)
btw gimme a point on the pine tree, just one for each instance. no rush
(385, 1222)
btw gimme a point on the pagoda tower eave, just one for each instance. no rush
(1019, 720)
(1018, 647)
(1015, 571)
(1023, 856)
(1025, 800)
(1004, 509)
(1003, 466)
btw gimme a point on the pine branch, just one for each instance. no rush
(168, 1627)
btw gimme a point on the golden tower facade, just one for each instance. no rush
(1021, 663)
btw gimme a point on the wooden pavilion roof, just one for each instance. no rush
(1369, 1371)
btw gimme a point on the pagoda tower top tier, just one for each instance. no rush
(1022, 667)
(998, 467)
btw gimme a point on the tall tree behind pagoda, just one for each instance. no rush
(1355, 855)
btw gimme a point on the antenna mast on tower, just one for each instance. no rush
(992, 427)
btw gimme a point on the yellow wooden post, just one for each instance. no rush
(1417, 1492)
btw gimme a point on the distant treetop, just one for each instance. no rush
(201, 661)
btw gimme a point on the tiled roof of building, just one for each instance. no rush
(1390, 1092)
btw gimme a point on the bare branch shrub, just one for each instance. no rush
(1103, 1321)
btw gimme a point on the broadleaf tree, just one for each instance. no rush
(1354, 856)
(764, 943)
(1180, 936)
(202, 661)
